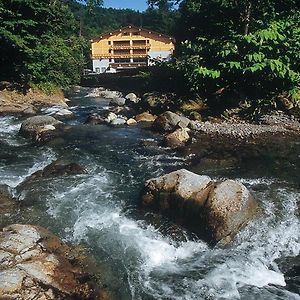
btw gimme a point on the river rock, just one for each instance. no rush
(169, 121)
(213, 210)
(7, 202)
(230, 205)
(110, 117)
(118, 121)
(58, 112)
(178, 138)
(32, 126)
(145, 117)
(131, 97)
(94, 119)
(58, 168)
(35, 264)
(131, 121)
(290, 266)
(117, 102)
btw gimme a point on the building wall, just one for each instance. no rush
(100, 65)
(127, 44)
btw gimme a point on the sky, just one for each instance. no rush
(133, 4)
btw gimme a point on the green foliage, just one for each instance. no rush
(249, 46)
(38, 42)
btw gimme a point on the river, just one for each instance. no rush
(138, 254)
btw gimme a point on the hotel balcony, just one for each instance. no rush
(112, 56)
(128, 47)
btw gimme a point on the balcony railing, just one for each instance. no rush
(120, 56)
(128, 65)
(130, 47)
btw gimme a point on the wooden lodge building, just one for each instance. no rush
(130, 47)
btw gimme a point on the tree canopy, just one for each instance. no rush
(249, 46)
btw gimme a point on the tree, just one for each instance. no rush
(250, 46)
(38, 42)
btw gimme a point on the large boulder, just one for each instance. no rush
(35, 264)
(169, 121)
(178, 138)
(229, 206)
(33, 126)
(214, 210)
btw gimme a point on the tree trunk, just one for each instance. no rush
(247, 17)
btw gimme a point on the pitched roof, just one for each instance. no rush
(107, 34)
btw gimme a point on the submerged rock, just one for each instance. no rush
(169, 121)
(58, 168)
(34, 127)
(94, 119)
(35, 264)
(214, 210)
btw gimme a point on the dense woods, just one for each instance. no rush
(228, 53)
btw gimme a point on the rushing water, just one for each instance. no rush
(140, 255)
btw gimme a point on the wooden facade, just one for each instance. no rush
(129, 47)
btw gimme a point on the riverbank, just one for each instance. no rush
(16, 102)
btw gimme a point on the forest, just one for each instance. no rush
(230, 52)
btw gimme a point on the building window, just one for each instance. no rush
(110, 60)
(109, 42)
(97, 70)
(148, 41)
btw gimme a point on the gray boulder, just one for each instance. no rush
(33, 126)
(35, 264)
(214, 210)
(169, 121)
(117, 102)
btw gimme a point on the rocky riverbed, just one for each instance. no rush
(82, 180)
